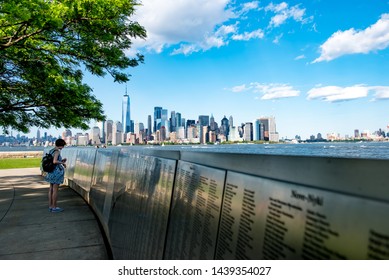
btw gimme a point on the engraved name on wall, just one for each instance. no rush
(267, 219)
(195, 212)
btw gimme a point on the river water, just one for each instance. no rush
(373, 150)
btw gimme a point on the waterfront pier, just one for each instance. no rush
(28, 231)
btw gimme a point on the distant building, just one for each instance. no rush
(204, 134)
(117, 133)
(82, 140)
(66, 133)
(258, 129)
(95, 136)
(203, 125)
(139, 128)
(231, 121)
(165, 122)
(108, 131)
(213, 124)
(149, 127)
(225, 127)
(101, 125)
(248, 132)
(269, 127)
(126, 117)
(173, 122)
(181, 132)
(157, 118)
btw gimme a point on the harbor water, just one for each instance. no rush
(371, 150)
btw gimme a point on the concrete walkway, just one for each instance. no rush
(28, 231)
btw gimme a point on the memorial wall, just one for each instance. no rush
(161, 204)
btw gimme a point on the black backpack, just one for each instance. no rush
(47, 162)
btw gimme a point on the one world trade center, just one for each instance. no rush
(126, 120)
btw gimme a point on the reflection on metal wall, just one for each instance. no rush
(70, 155)
(142, 194)
(195, 212)
(157, 204)
(103, 179)
(83, 170)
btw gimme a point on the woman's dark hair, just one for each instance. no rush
(60, 142)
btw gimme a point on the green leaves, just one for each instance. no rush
(42, 46)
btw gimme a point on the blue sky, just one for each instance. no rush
(316, 66)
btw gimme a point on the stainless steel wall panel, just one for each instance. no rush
(83, 170)
(233, 206)
(70, 154)
(268, 219)
(347, 175)
(195, 212)
(103, 180)
(142, 196)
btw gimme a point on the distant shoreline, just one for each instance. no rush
(21, 154)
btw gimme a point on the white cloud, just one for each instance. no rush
(278, 38)
(336, 93)
(186, 49)
(188, 26)
(275, 91)
(381, 93)
(277, 8)
(241, 88)
(283, 13)
(300, 57)
(373, 38)
(246, 36)
(254, 5)
(227, 29)
(268, 91)
(171, 22)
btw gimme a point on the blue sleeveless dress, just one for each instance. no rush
(57, 175)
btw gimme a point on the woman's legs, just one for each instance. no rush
(53, 194)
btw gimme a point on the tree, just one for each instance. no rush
(44, 47)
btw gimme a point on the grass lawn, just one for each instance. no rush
(7, 163)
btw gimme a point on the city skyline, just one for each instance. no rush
(260, 129)
(316, 66)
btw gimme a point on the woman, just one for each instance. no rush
(56, 177)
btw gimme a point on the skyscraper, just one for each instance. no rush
(212, 123)
(269, 129)
(203, 124)
(225, 127)
(248, 132)
(165, 122)
(126, 120)
(117, 133)
(203, 120)
(173, 123)
(149, 127)
(157, 118)
(258, 129)
(95, 135)
(178, 121)
(101, 125)
(108, 131)
(231, 121)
